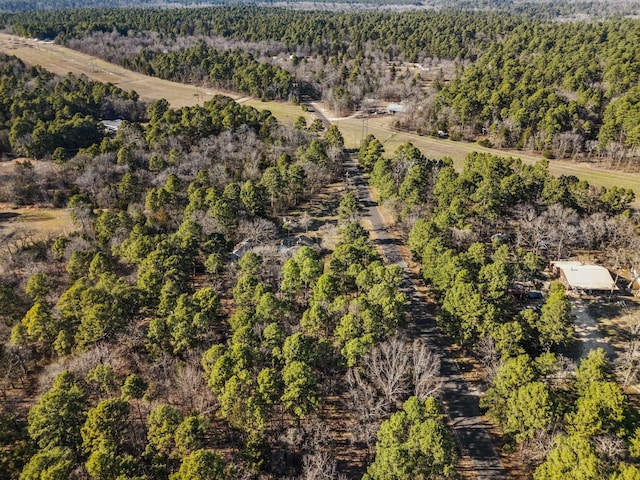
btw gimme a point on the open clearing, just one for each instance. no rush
(63, 60)
(20, 226)
(32, 223)
(354, 129)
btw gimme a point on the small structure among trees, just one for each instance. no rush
(589, 278)
(395, 108)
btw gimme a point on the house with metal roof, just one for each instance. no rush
(584, 277)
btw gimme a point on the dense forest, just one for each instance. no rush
(199, 320)
(136, 347)
(143, 296)
(550, 8)
(171, 360)
(43, 116)
(566, 89)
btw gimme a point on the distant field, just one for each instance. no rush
(354, 129)
(62, 60)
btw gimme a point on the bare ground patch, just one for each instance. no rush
(22, 226)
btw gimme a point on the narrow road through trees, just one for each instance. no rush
(460, 401)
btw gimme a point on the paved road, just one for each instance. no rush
(460, 401)
(315, 111)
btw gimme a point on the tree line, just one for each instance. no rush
(521, 81)
(232, 70)
(445, 34)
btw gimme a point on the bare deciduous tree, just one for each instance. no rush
(367, 405)
(563, 374)
(594, 229)
(305, 221)
(387, 367)
(611, 449)
(557, 226)
(628, 361)
(191, 389)
(561, 227)
(487, 353)
(463, 237)
(318, 465)
(13, 366)
(622, 247)
(534, 450)
(530, 232)
(426, 371)
(259, 230)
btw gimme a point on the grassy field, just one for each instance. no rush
(354, 129)
(32, 224)
(62, 60)
(285, 112)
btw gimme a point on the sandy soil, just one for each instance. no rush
(587, 331)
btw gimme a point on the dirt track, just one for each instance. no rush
(461, 401)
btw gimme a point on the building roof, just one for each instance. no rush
(112, 125)
(586, 276)
(241, 248)
(396, 108)
(297, 241)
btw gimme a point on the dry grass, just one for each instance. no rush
(39, 166)
(61, 60)
(354, 130)
(285, 112)
(21, 227)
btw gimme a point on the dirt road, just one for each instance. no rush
(587, 331)
(461, 402)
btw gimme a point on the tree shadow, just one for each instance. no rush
(5, 216)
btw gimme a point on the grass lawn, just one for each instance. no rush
(285, 112)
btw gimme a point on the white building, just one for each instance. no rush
(584, 277)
